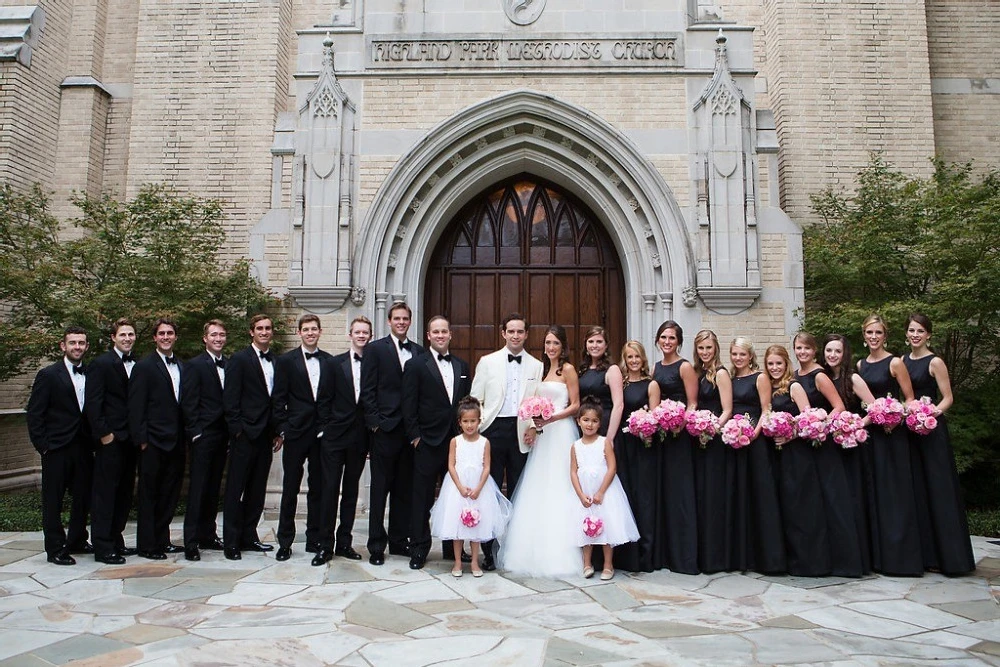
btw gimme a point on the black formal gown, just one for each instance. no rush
(757, 532)
(858, 468)
(592, 384)
(715, 491)
(944, 529)
(639, 472)
(680, 511)
(892, 509)
(846, 554)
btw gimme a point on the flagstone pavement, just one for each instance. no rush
(259, 612)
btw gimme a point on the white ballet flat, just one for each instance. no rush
(588, 572)
(456, 573)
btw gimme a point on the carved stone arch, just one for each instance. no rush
(524, 131)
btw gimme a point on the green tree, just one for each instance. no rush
(155, 255)
(899, 244)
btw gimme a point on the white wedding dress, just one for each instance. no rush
(541, 539)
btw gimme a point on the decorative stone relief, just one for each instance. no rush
(523, 12)
(689, 296)
(358, 295)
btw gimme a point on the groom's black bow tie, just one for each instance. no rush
(444, 357)
(514, 357)
(405, 345)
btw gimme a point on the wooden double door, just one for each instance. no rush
(525, 246)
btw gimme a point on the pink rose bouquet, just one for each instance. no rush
(738, 432)
(812, 425)
(886, 412)
(778, 425)
(536, 407)
(702, 424)
(470, 517)
(921, 416)
(671, 415)
(642, 424)
(592, 526)
(847, 429)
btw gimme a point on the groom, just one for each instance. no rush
(502, 380)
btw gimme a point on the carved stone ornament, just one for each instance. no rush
(358, 295)
(689, 296)
(523, 12)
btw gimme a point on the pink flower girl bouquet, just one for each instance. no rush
(738, 432)
(643, 425)
(702, 424)
(921, 416)
(812, 425)
(886, 412)
(592, 526)
(536, 407)
(470, 517)
(847, 429)
(671, 415)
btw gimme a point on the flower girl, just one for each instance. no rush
(470, 506)
(605, 516)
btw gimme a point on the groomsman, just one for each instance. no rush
(432, 387)
(156, 426)
(253, 439)
(297, 381)
(205, 427)
(344, 445)
(503, 379)
(106, 405)
(59, 432)
(391, 453)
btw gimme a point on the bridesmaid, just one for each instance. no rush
(715, 462)
(896, 546)
(943, 526)
(760, 544)
(838, 363)
(602, 380)
(802, 507)
(847, 557)
(678, 381)
(639, 466)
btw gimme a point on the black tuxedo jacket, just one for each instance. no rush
(382, 382)
(343, 422)
(245, 398)
(201, 398)
(54, 416)
(106, 402)
(154, 415)
(427, 412)
(292, 402)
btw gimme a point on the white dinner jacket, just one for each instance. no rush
(489, 385)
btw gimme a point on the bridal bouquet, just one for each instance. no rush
(536, 407)
(643, 425)
(592, 526)
(738, 431)
(921, 416)
(469, 517)
(886, 412)
(671, 415)
(778, 425)
(847, 429)
(702, 424)
(812, 425)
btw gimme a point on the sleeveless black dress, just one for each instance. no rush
(715, 490)
(680, 511)
(639, 472)
(592, 384)
(892, 516)
(858, 467)
(760, 544)
(847, 558)
(944, 529)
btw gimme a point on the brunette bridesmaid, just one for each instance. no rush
(602, 379)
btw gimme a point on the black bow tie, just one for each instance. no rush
(514, 357)
(444, 357)
(170, 360)
(220, 363)
(127, 358)
(405, 345)
(357, 357)
(78, 370)
(312, 355)
(268, 356)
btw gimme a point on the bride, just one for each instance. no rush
(541, 539)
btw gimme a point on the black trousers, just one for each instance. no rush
(208, 462)
(68, 468)
(430, 464)
(111, 500)
(354, 467)
(294, 456)
(392, 475)
(161, 472)
(246, 487)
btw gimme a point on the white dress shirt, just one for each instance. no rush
(175, 374)
(356, 372)
(312, 368)
(447, 375)
(268, 368)
(79, 382)
(511, 393)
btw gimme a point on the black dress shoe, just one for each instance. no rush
(347, 552)
(127, 551)
(214, 544)
(284, 553)
(377, 558)
(153, 555)
(489, 565)
(61, 557)
(257, 545)
(417, 563)
(110, 559)
(399, 551)
(172, 549)
(192, 553)
(322, 557)
(232, 554)
(313, 548)
(85, 548)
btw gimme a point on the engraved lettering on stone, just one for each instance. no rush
(523, 12)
